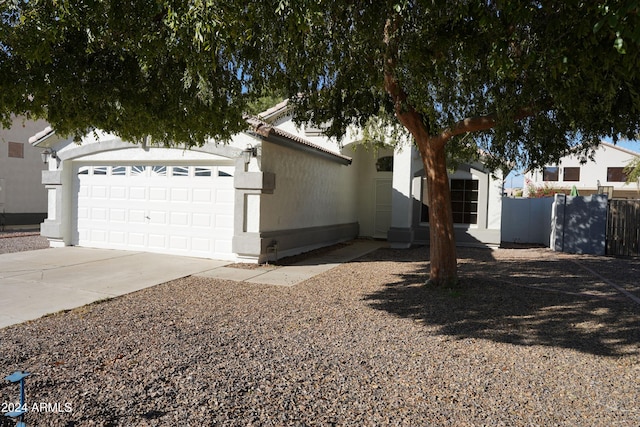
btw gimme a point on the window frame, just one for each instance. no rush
(548, 174)
(424, 208)
(616, 174)
(571, 169)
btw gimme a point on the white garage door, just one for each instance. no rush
(182, 210)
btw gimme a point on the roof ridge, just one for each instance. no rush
(623, 149)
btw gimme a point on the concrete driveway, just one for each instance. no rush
(35, 283)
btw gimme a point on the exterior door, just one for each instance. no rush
(382, 222)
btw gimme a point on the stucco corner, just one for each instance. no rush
(247, 244)
(52, 177)
(51, 230)
(263, 181)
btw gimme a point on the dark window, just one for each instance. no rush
(464, 201)
(616, 175)
(550, 174)
(385, 164)
(571, 174)
(180, 171)
(202, 171)
(424, 213)
(16, 149)
(118, 170)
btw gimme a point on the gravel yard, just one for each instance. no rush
(17, 241)
(533, 338)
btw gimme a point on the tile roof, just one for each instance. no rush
(266, 131)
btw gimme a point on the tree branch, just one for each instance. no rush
(478, 123)
(405, 113)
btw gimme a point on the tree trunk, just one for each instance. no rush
(442, 244)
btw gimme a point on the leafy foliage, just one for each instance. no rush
(523, 81)
(551, 74)
(632, 171)
(546, 190)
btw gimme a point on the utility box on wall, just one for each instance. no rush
(579, 224)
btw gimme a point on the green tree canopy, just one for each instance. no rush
(527, 79)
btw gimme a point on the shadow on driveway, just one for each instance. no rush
(523, 297)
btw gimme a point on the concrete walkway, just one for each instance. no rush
(294, 274)
(36, 283)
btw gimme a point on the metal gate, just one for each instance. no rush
(623, 228)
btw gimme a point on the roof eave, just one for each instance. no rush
(45, 138)
(269, 133)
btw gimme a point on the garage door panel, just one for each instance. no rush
(225, 196)
(117, 215)
(223, 246)
(83, 212)
(118, 193)
(136, 239)
(157, 241)
(201, 220)
(137, 193)
(158, 194)
(99, 192)
(179, 195)
(202, 195)
(117, 237)
(201, 245)
(98, 235)
(99, 214)
(224, 222)
(179, 242)
(137, 216)
(179, 219)
(185, 214)
(157, 217)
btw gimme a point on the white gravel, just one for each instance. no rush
(532, 339)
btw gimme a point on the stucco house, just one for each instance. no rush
(23, 199)
(604, 173)
(274, 190)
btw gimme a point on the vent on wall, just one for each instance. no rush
(16, 150)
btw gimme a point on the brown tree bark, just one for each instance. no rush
(442, 244)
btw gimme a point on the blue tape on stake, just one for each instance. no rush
(18, 376)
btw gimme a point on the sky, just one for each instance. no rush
(516, 179)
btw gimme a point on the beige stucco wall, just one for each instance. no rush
(310, 191)
(22, 191)
(364, 163)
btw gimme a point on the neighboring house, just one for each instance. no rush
(605, 174)
(274, 189)
(23, 200)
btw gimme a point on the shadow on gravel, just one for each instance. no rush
(522, 301)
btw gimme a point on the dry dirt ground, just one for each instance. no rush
(531, 338)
